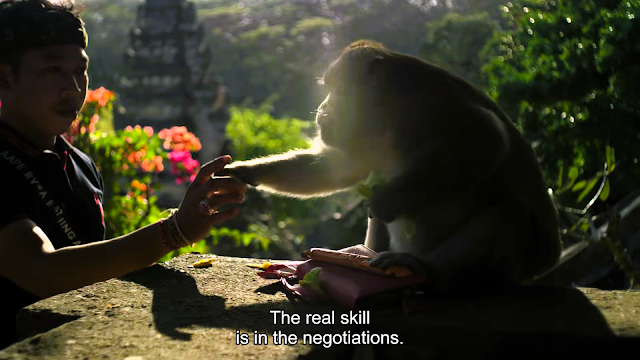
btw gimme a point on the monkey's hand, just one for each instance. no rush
(244, 173)
(388, 259)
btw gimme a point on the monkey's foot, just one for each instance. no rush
(388, 259)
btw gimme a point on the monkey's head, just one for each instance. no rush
(380, 100)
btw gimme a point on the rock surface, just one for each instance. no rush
(176, 311)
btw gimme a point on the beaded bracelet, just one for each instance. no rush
(175, 224)
(172, 236)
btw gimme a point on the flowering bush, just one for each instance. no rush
(182, 143)
(129, 160)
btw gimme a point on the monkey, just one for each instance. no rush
(452, 163)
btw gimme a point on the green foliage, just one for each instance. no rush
(455, 43)
(586, 187)
(128, 160)
(255, 133)
(108, 24)
(567, 72)
(111, 152)
(271, 46)
(230, 10)
(581, 226)
(311, 24)
(269, 32)
(274, 220)
(342, 2)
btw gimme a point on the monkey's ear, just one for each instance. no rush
(375, 69)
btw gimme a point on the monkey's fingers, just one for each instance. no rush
(242, 173)
(224, 172)
(387, 260)
(381, 260)
(225, 185)
(211, 167)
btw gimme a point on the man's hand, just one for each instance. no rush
(216, 191)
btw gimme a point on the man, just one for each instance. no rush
(51, 219)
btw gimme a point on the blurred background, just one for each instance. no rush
(240, 77)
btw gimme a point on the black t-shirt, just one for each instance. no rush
(61, 191)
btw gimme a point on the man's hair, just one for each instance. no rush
(28, 24)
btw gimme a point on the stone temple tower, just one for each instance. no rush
(169, 81)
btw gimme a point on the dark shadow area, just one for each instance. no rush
(446, 343)
(40, 321)
(520, 322)
(177, 303)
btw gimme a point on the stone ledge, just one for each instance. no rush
(174, 311)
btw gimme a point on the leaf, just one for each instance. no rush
(247, 238)
(264, 242)
(585, 226)
(579, 185)
(573, 174)
(588, 189)
(560, 174)
(611, 158)
(571, 177)
(604, 195)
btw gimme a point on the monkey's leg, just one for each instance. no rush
(484, 250)
(377, 238)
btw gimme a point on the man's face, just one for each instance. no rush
(49, 89)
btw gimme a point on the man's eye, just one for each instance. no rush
(53, 69)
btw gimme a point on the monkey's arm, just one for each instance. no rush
(300, 173)
(458, 161)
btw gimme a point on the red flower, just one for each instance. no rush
(100, 95)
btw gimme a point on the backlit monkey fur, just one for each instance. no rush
(454, 164)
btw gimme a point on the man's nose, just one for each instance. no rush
(71, 84)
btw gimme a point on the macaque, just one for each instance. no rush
(452, 162)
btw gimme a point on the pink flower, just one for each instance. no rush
(190, 164)
(183, 165)
(179, 156)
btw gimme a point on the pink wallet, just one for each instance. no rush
(347, 279)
